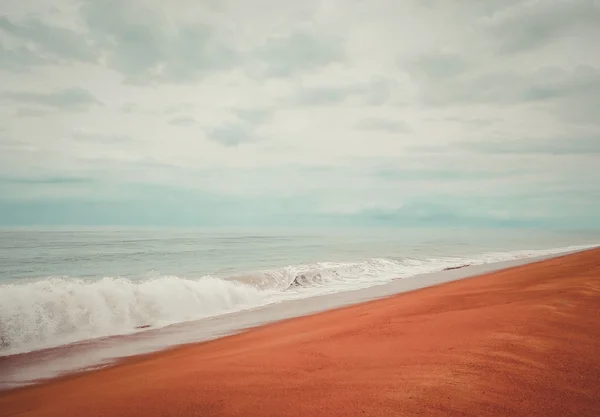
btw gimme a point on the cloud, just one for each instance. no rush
(562, 145)
(302, 113)
(239, 132)
(580, 110)
(477, 123)
(437, 66)
(20, 59)
(94, 137)
(57, 41)
(510, 87)
(144, 46)
(428, 214)
(46, 180)
(375, 92)
(67, 99)
(27, 112)
(399, 174)
(558, 145)
(255, 116)
(183, 121)
(580, 97)
(131, 108)
(387, 125)
(319, 96)
(232, 135)
(540, 23)
(180, 108)
(9, 145)
(288, 55)
(378, 91)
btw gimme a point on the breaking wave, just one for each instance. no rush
(56, 311)
(53, 311)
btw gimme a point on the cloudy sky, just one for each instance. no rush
(320, 112)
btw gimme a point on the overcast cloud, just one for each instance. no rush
(350, 112)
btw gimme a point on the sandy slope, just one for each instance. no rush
(523, 341)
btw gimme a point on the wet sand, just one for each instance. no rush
(522, 341)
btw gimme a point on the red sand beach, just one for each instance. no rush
(523, 341)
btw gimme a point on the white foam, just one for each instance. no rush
(54, 311)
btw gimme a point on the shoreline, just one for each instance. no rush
(518, 341)
(40, 366)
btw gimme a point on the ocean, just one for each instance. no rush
(58, 287)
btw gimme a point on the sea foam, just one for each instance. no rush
(53, 311)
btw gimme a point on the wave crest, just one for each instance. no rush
(49, 312)
(56, 311)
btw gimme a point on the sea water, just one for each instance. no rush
(63, 286)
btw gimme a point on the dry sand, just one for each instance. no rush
(523, 341)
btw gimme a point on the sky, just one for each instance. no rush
(283, 113)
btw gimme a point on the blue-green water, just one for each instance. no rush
(62, 286)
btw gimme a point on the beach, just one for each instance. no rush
(520, 341)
